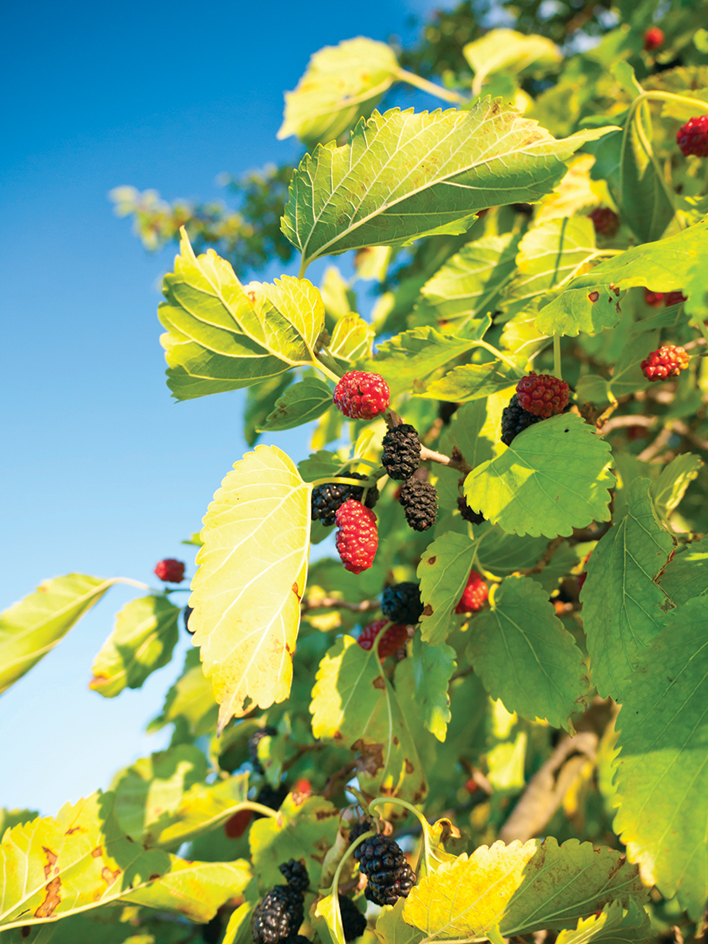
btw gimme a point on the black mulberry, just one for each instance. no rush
(402, 604)
(389, 876)
(326, 499)
(401, 451)
(474, 517)
(296, 875)
(515, 420)
(278, 915)
(353, 921)
(186, 613)
(420, 504)
(253, 743)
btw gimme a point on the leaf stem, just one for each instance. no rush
(334, 887)
(327, 364)
(382, 801)
(557, 356)
(135, 583)
(496, 353)
(438, 91)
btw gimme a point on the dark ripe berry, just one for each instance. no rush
(653, 38)
(446, 411)
(358, 829)
(474, 517)
(353, 921)
(692, 137)
(515, 420)
(361, 396)
(420, 504)
(524, 208)
(271, 798)
(170, 570)
(655, 299)
(357, 536)
(278, 915)
(474, 594)
(674, 298)
(391, 641)
(542, 394)
(401, 603)
(389, 876)
(236, 825)
(253, 743)
(326, 499)
(605, 221)
(667, 362)
(295, 874)
(401, 451)
(186, 613)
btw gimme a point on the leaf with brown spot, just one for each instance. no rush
(53, 898)
(353, 697)
(443, 572)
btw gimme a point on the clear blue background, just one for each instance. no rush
(101, 472)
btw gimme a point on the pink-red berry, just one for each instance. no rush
(605, 221)
(170, 570)
(474, 594)
(674, 298)
(692, 137)
(391, 641)
(657, 299)
(667, 362)
(542, 394)
(653, 38)
(361, 396)
(357, 536)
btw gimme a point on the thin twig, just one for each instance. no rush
(621, 422)
(455, 461)
(654, 448)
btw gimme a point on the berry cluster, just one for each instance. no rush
(357, 536)
(667, 362)
(401, 451)
(474, 595)
(401, 603)
(170, 570)
(537, 397)
(389, 876)
(391, 641)
(279, 914)
(420, 504)
(328, 498)
(361, 396)
(353, 921)
(692, 138)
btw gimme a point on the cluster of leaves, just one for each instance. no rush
(572, 705)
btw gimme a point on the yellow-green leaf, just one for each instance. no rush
(252, 573)
(32, 627)
(145, 634)
(614, 925)
(443, 571)
(505, 50)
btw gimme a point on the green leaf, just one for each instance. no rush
(613, 925)
(472, 382)
(301, 403)
(443, 571)
(622, 604)
(392, 929)
(500, 554)
(145, 634)
(328, 909)
(432, 669)
(668, 490)
(474, 429)
(417, 174)
(351, 339)
(10, 818)
(668, 265)
(471, 282)
(354, 706)
(55, 867)
(32, 627)
(320, 465)
(260, 402)
(407, 361)
(505, 50)
(190, 701)
(520, 888)
(224, 336)
(686, 576)
(554, 477)
(304, 828)
(525, 656)
(549, 255)
(662, 770)
(342, 84)
(252, 574)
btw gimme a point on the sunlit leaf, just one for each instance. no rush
(554, 477)
(432, 668)
(342, 84)
(32, 627)
(300, 403)
(190, 701)
(443, 571)
(662, 770)
(417, 174)
(252, 574)
(472, 382)
(686, 576)
(613, 925)
(576, 190)
(668, 490)
(506, 50)
(517, 889)
(144, 637)
(351, 339)
(622, 605)
(525, 656)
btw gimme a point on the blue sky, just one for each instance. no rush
(102, 472)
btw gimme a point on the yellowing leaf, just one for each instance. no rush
(517, 889)
(505, 50)
(32, 627)
(613, 925)
(252, 573)
(342, 84)
(145, 634)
